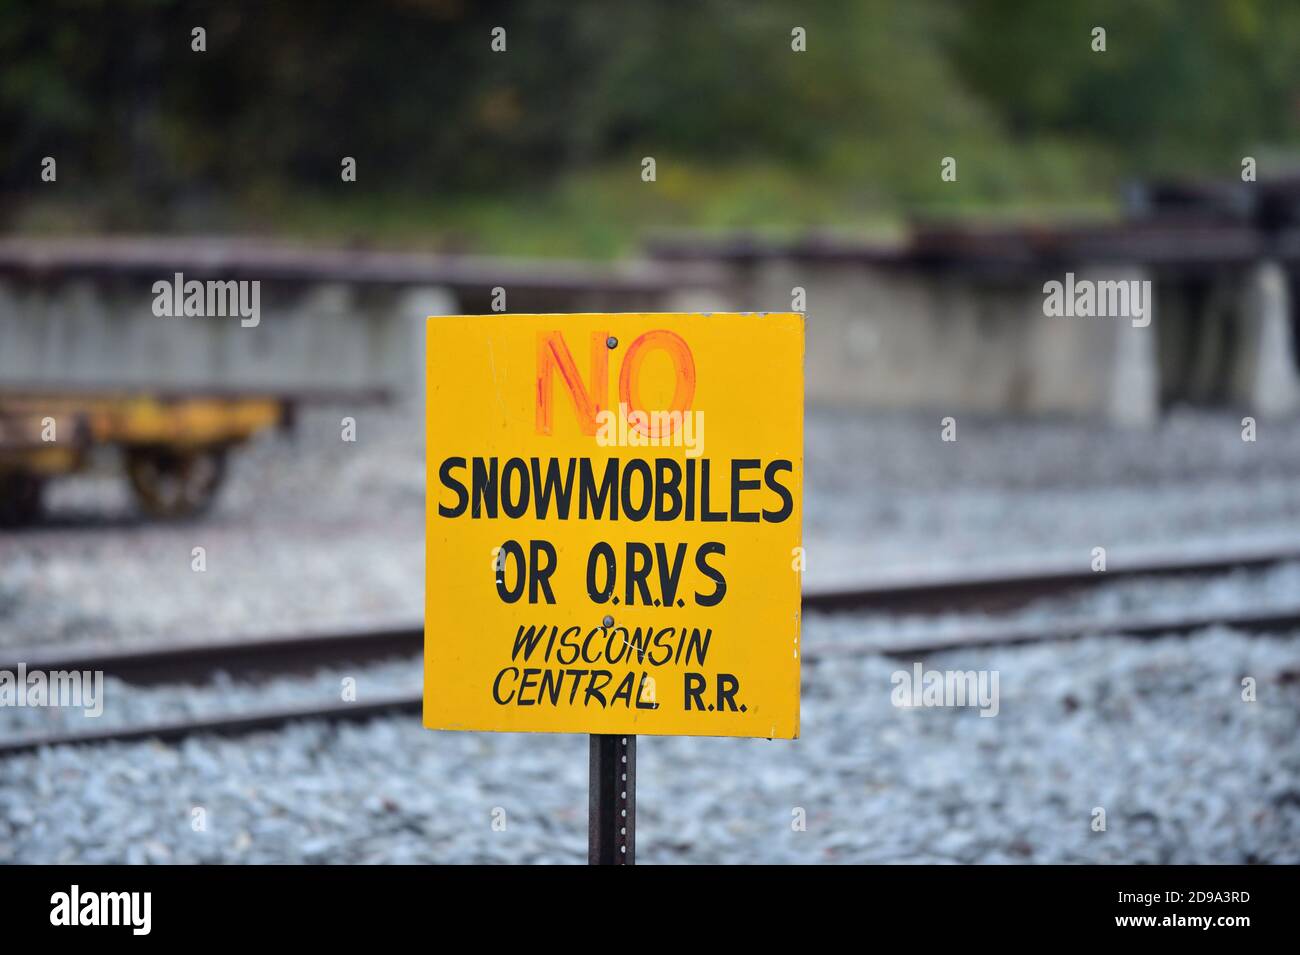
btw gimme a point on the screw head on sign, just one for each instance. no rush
(608, 621)
(611, 342)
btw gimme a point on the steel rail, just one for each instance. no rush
(158, 663)
(351, 646)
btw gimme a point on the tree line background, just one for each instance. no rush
(538, 149)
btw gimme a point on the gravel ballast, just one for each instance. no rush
(321, 535)
(1155, 733)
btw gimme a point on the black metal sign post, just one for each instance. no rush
(611, 801)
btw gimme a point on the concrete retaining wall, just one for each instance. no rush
(880, 336)
(81, 313)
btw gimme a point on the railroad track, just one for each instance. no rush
(250, 659)
(233, 725)
(1003, 588)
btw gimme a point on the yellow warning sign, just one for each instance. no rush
(613, 523)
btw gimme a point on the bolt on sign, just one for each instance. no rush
(613, 523)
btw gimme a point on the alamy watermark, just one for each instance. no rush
(1088, 298)
(75, 907)
(73, 689)
(651, 429)
(921, 687)
(211, 299)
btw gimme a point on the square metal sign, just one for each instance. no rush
(613, 518)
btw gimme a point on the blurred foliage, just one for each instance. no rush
(538, 148)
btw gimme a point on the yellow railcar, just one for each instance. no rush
(174, 447)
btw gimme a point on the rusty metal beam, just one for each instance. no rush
(1164, 243)
(154, 258)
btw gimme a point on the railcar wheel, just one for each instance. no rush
(20, 499)
(171, 484)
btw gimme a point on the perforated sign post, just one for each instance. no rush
(613, 533)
